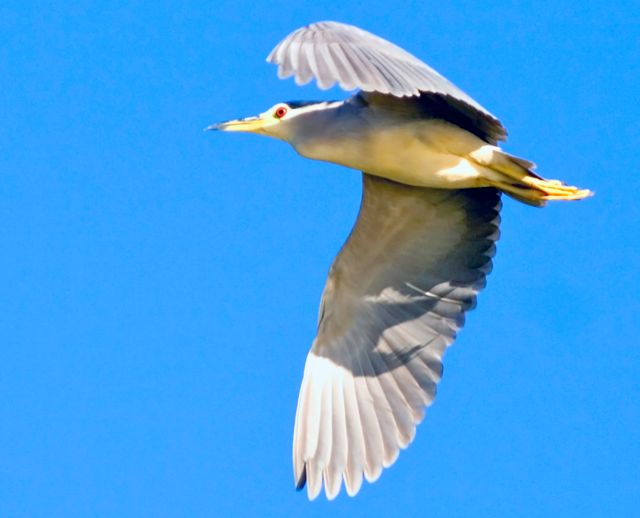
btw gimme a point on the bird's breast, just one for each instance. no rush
(413, 153)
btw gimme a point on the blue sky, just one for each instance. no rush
(160, 284)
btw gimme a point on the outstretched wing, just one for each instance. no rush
(334, 52)
(394, 300)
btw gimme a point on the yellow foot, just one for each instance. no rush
(537, 191)
(555, 189)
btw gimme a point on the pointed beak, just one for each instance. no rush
(249, 125)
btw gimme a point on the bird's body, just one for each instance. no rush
(419, 152)
(418, 255)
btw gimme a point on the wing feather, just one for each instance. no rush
(415, 76)
(355, 436)
(320, 458)
(395, 297)
(347, 77)
(337, 462)
(371, 430)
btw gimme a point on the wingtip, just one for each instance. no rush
(302, 480)
(353, 482)
(271, 58)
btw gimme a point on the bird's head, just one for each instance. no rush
(279, 121)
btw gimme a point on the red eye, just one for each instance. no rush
(280, 112)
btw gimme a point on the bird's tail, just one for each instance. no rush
(515, 176)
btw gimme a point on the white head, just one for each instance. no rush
(282, 121)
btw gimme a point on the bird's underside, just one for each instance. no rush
(418, 254)
(424, 142)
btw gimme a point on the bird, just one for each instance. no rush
(420, 251)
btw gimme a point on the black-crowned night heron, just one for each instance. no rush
(419, 252)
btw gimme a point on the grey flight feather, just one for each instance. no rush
(334, 52)
(395, 297)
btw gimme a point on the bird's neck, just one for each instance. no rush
(323, 133)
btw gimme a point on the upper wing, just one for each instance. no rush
(394, 300)
(438, 106)
(335, 52)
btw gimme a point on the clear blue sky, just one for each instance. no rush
(160, 284)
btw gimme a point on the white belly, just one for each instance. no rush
(425, 154)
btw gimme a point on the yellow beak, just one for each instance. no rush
(249, 125)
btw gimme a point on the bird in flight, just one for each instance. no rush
(418, 254)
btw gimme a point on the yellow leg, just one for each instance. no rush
(515, 176)
(556, 190)
(537, 191)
